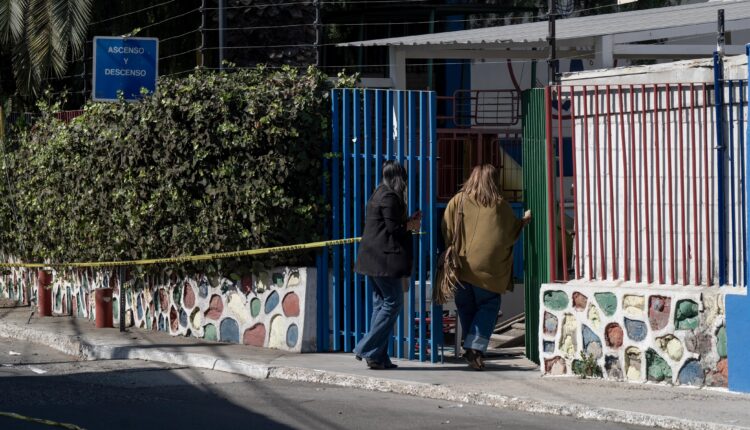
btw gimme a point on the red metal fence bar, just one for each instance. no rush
(636, 165)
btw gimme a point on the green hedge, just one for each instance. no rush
(211, 162)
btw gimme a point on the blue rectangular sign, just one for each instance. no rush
(124, 64)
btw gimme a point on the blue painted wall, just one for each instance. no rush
(738, 342)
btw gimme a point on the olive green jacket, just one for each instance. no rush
(488, 235)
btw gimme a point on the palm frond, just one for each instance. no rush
(12, 13)
(26, 76)
(72, 17)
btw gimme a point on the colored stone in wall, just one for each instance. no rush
(227, 285)
(174, 322)
(699, 342)
(139, 306)
(659, 308)
(129, 322)
(579, 301)
(81, 306)
(148, 319)
(613, 367)
(555, 300)
(292, 335)
(636, 330)
(196, 319)
(255, 307)
(255, 335)
(594, 318)
(203, 288)
(568, 341)
(555, 366)
(237, 308)
(293, 280)
(549, 347)
(58, 298)
(633, 363)
(608, 303)
(691, 373)
(591, 342)
(215, 308)
(188, 296)
(686, 315)
(633, 305)
(613, 335)
(115, 309)
(290, 305)
(246, 284)
(657, 368)
(176, 293)
(718, 377)
(183, 317)
(721, 342)
(713, 308)
(163, 300)
(672, 346)
(550, 324)
(278, 280)
(277, 334)
(162, 326)
(209, 332)
(272, 301)
(229, 331)
(723, 367)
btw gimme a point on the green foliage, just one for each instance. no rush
(211, 162)
(587, 366)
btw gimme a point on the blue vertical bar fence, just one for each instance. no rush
(720, 164)
(369, 127)
(730, 106)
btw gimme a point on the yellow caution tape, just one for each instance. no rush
(40, 421)
(190, 258)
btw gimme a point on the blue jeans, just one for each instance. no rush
(477, 309)
(387, 301)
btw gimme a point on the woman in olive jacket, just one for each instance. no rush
(385, 255)
(485, 253)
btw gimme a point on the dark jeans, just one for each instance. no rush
(388, 301)
(477, 309)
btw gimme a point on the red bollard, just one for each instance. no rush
(44, 293)
(103, 307)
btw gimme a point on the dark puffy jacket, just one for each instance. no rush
(386, 249)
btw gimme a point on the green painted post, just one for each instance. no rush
(535, 244)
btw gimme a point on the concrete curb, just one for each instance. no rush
(73, 345)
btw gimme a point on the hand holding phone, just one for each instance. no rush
(415, 221)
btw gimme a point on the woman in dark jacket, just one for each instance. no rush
(385, 255)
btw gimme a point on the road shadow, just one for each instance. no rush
(125, 400)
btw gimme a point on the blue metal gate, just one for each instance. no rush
(368, 128)
(730, 110)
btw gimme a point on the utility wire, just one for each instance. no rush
(178, 36)
(172, 18)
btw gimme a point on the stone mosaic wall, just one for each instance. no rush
(275, 309)
(17, 285)
(675, 336)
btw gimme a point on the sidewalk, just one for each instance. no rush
(509, 382)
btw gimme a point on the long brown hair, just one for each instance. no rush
(482, 185)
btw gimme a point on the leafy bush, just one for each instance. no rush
(211, 162)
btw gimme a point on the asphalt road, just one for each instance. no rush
(131, 394)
